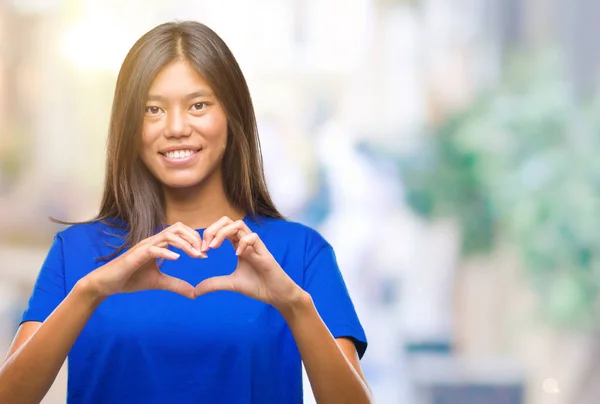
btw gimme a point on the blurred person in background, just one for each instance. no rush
(185, 203)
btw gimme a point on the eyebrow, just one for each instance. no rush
(195, 94)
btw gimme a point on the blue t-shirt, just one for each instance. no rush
(223, 347)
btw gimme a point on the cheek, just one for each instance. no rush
(145, 145)
(213, 128)
(149, 134)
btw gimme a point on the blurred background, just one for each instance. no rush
(446, 148)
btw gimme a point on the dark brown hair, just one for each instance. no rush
(132, 195)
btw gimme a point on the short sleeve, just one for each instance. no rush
(49, 289)
(324, 282)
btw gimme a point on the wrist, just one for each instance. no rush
(87, 289)
(298, 304)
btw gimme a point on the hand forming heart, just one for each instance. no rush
(257, 275)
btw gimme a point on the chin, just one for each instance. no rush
(182, 183)
(186, 179)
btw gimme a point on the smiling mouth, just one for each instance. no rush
(180, 154)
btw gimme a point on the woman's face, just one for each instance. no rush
(185, 128)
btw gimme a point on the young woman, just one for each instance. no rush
(230, 297)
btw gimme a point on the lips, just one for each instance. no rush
(179, 154)
(179, 147)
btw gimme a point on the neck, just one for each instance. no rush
(200, 206)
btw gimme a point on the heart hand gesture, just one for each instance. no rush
(137, 268)
(257, 275)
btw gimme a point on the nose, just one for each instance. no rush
(178, 124)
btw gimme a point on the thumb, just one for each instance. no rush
(213, 284)
(170, 283)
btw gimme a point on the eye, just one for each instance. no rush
(199, 106)
(153, 110)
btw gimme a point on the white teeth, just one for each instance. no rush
(179, 154)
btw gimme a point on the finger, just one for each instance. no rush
(161, 253)
(248, 241)
(142, 254)
(188, 234)
(170, 283)
(165, 243)
(192, 237)
(177, 241)
(211, 231)
(233, 232)
(213, 284)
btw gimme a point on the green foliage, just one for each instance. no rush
(522, 164)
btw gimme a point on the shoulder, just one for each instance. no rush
(90, 233)
(284, 228)
(289, 232)
(89, 228)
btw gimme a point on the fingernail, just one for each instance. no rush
(213, 243)
(204, 245)
(174, 254)
(238, 252)
(196, 251)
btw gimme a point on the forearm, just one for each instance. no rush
(332, 377)
(27, 375)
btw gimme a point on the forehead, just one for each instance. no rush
(178, 78)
